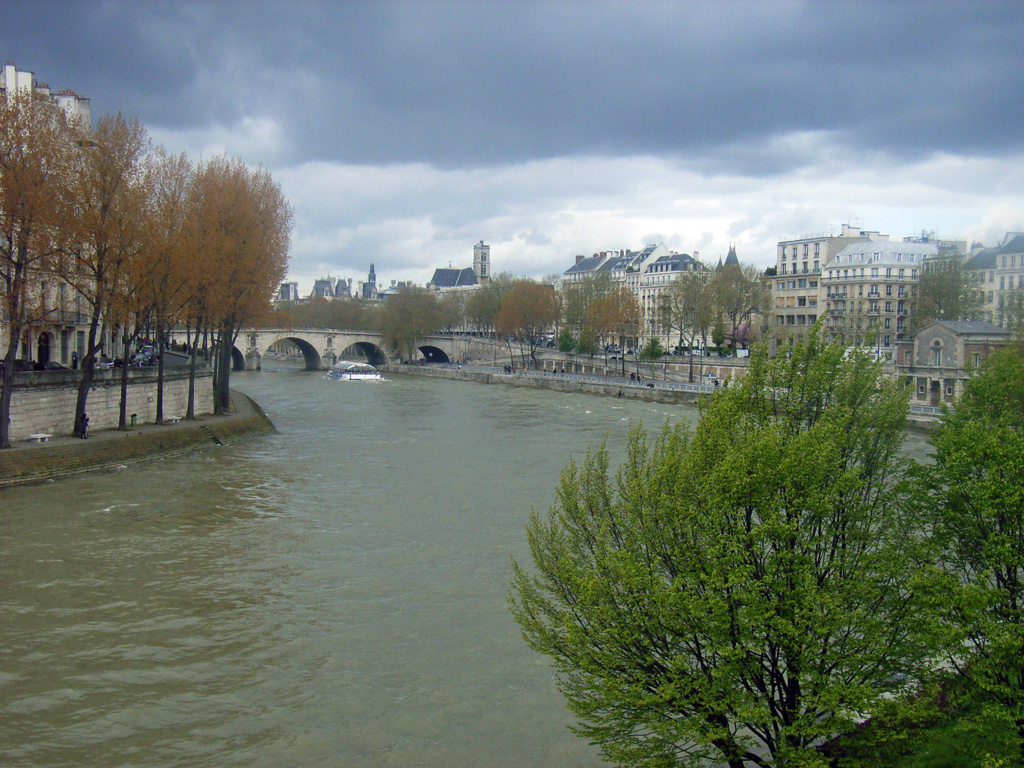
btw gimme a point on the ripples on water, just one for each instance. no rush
(333, 595)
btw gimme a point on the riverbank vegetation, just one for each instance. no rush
(99, 229)
(780, 587)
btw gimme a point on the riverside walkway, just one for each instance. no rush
(663, 390)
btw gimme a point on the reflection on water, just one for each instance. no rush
(330, 595)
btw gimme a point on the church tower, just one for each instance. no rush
(482, 262)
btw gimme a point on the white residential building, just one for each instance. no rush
(76, 107)
(796, 287)
(871, 289)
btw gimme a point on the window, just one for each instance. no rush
(780, 285)
(806, 246)
(888, 273)
(977, 359)
(817, 249)
(888, 290)
(1002, 281)
(817, 265)
(888, 306)
(874, 273)
(900, 273)
(888, 323)
(783, 269)
(812, 283)
(937, 356)
(801, 283)
(887, 342)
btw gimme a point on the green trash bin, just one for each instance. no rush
(135, 417)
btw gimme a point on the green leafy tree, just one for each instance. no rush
(652, 350)
(947, 291)
(736, 595)
(566, 343)
(977, 497)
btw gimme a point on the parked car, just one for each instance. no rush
(104, 364)
(20, 366)
(53, 365)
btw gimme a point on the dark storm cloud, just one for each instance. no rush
(458, 83)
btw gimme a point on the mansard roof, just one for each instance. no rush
(983, 259)
(1014, 244)
(453, 278)
(672, 262)
(590, 264)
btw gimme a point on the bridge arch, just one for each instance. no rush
(374, 354)
(434, 354)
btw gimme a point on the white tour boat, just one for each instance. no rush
(348, 371)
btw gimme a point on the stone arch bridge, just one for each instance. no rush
(321, 348)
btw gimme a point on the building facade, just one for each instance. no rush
(999, 276)
(796, 287)
(940, 357)
(870, 292)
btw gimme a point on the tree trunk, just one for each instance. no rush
(88, 373)
(7, 390)
(160, 374)
(122, 414)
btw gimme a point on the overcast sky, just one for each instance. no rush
(405, 132)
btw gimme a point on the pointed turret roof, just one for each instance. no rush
(732, 259)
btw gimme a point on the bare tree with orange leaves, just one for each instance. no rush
(244, 232)
(36, 156)
(110, 198)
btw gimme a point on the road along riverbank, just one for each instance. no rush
(668, 392)
(61, 456)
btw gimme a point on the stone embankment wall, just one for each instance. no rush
(554, 382)
(48, 461)
(45, 401)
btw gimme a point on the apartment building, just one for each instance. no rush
(647, 273)
(870, 290)
(796, 288)
(76, 107)
(999, 274)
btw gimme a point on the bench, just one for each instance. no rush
(40, 437)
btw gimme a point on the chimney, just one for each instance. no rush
(579, 257)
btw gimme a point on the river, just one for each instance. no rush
(332, 595)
